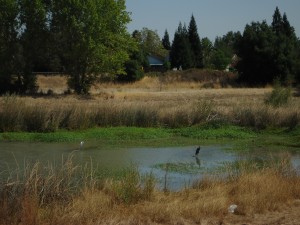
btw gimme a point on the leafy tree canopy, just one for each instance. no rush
(93, 37)
(150, 42)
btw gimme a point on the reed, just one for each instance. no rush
(73, 194)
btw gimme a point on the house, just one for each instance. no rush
(156, 63)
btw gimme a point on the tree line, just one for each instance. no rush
(83, 39)
(261, 54)
(88, 40)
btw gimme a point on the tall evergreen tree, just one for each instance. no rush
(277, 21)
(195, 42)
(285, 55)
(166, 41)
(180, 54)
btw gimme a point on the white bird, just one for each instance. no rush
(81, 144)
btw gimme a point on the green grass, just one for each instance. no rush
(240, 138)
(131, 133)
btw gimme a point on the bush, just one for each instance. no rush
(280, 96)
(133, 72)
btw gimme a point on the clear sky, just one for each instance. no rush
(213, 17)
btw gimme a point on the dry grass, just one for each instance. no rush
(254, 191)
(145, 104)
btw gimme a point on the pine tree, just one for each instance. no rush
(180, 54)
(277, 21)
(195, 43)
(166, 41)
(285, 53)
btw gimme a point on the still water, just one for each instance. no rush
(147, 159)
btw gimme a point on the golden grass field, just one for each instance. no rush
(146, 103)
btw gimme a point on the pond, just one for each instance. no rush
(175, 166)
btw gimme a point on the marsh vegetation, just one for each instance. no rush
(79, 194)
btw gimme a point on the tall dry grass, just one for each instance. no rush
(244, 107)
(60, 197)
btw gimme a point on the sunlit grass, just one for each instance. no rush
(147, 108)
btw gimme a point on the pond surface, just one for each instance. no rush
(176, 165)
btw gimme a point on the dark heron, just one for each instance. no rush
(197, 151)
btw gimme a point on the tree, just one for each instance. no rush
(196, 48)
(8, 44)
(285, 49)
(277, 22)
(224, 49)
(137, 62)
(208, 50)
(34, 39)
(92, 38)
(151, 42)
(256, 66)
(180, 54)
(269, 52)
(166, 41)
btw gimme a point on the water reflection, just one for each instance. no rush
(198, 161)
(186, 167)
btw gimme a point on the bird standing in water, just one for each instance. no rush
(197, 151)
(81, 144)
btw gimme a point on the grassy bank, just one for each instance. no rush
(132, 133)
(74, 194)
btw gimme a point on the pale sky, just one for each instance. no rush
(213, 17)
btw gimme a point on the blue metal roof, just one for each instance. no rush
(155, 61)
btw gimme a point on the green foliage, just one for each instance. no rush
(208, 50)
(219, 60)
(166, 41)
(256, 50)
(92, 38)
(196, 48)
(34, 40)
(280, 96)
(9, 48)
(150, 42)
(133, 71)
(181, 54)
(224, 49)
(268, 52)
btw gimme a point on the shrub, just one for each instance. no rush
(280, 96)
